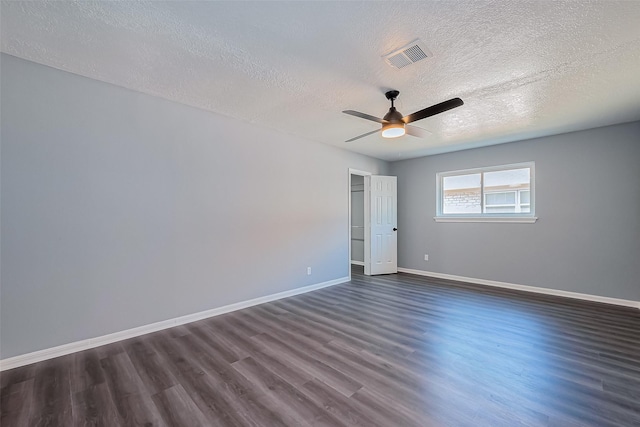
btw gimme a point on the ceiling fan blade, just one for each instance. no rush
(416, 131)
(363, 135)
(433, 110)
(364, 116)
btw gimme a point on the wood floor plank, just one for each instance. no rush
(278, 365)
(215, 347)
(18, 375)
(344, 409)
(178, 409)
(109, 350)
(391, 350)
(393, 413)
(215, 385)
(246, 400)
(345, 330)
(149, 365)
(52, 404)
(93, 406)
(128, 393)
(236, 343)
(86, 370)
(315, 367)
(196, 382)
(16, 403)
(299, 408)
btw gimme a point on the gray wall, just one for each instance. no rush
(357, 218)
(120, 209)
(587, 238)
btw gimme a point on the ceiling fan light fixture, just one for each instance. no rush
(393, 130)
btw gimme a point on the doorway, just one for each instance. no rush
(373, 197)
(357, 235)
(357, 220)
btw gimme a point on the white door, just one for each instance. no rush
(382, 233)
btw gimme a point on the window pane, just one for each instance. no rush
(510, 179)
(525, 197)
(461, 194)
(504, 198)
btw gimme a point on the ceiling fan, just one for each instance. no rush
(394, 125)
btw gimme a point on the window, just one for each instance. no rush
(496, 194)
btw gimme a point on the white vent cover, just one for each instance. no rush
(407, 55)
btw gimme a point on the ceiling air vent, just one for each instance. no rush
(407, 55)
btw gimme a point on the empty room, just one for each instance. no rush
(320, 213)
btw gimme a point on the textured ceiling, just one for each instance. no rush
(524, 69)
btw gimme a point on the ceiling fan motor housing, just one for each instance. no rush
(393, 116)
(394, 127)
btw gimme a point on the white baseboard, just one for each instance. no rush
(50, 353)
(526, 288)
(357, 262)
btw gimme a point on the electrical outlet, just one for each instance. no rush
(426, 257)
(308, 271)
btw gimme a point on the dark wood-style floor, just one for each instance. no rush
(397, 350)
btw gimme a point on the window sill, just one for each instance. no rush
(519, 220)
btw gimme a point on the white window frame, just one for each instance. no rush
(528, 217)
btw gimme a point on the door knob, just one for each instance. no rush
(395, 229)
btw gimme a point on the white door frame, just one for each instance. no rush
(367, 251)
